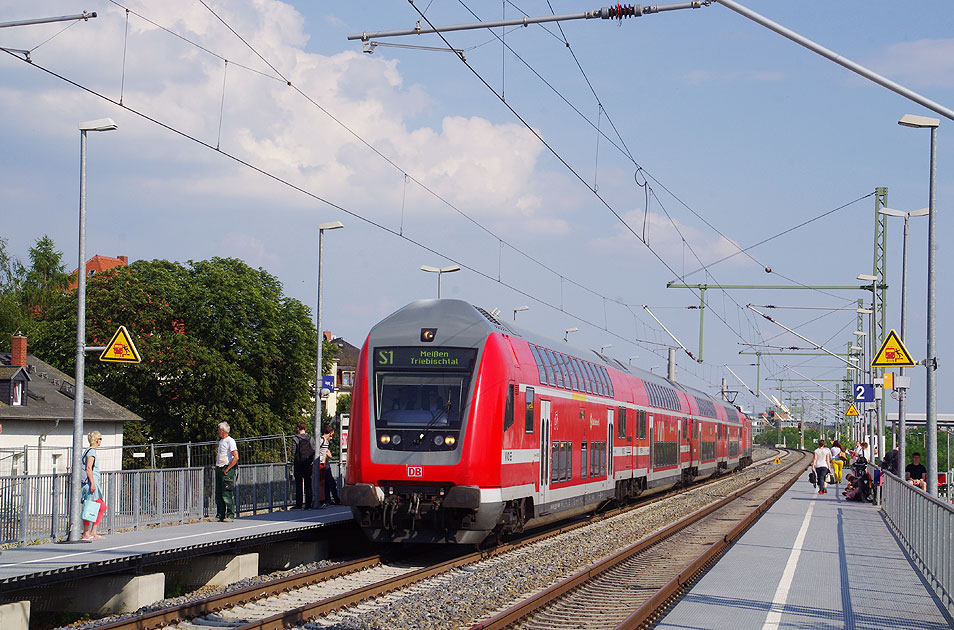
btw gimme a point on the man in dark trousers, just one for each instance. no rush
(892, 461)
(303, 459)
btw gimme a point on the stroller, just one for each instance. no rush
(863, 479)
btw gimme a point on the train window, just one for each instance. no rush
(529, 417)
(601, 373)
(583, 460)
(420, 400)
(555, 378)
(642, 425)
(555, 462)
(578, 371)
(569, 461)
(621, 423)
(540, 368)
(565, 368)
(508, 408)
(563, 450)
(588, 377)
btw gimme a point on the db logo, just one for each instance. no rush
(415, 471)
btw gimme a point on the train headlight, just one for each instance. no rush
(450, 440)
(396, 439)
(438, 440)
(385, 439)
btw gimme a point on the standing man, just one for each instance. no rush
(328, 481)
(226, 460)
(821, 462)
(303, 461)
(892, 461)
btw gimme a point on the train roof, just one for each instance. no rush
(462, 324)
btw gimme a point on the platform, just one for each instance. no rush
(812, 561)
(37, 565)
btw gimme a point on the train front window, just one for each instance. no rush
(407, 401)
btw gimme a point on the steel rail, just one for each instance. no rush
(218, 602)
(663, 596)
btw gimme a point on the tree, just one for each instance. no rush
(13, 317)
(46, 278)
(218, 341)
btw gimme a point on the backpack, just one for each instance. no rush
(84, 478)
(305, 451)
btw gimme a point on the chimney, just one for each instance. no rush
(18, 350)
(124, 259)
(327, 335)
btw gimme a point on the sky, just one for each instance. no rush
(243, 124)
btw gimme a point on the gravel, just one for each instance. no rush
(463, 597)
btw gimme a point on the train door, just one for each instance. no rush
(693, 442)
(650, 422)
(610, 438)
(545, 462)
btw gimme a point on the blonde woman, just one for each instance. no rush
(91, 488)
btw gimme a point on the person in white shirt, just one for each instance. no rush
(821, 462)
(226, 459)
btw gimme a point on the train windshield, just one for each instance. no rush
(420, 400)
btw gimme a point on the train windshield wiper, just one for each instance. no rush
(442, 413)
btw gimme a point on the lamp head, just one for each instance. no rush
(918, 122)
(101, 124)
(333, 225)
(866, 277)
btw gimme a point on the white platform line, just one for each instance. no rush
(774, 616)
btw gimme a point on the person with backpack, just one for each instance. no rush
(303, 460)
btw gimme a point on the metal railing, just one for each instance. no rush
(925, 526)
(36, 507)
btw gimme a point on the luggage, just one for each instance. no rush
(812, 479)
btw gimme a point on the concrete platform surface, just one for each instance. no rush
(812, 561)
(41, 564)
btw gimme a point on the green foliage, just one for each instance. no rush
(343, 404)
(46, 279)
(13, 317)
(218, 341)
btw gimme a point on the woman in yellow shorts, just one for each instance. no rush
(837, 459)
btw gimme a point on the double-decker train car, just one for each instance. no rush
(463, 425)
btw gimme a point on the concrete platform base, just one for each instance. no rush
(15, 616)
(106, 594)
(214, 570)
(285, 555)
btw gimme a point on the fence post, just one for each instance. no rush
(53, 505)
(115, 481)
(24, 506)
(271, 488)
(137, 500)
(182, 496)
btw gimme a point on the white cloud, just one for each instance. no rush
(665, 239)
(250, 249)
(922, 63)
(484, 168)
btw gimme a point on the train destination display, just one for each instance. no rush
(417, 357)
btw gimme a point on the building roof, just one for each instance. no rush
(98, 264)
(8, 372)
(51, 397)
(347, 354)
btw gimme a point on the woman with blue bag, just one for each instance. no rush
(92, 492)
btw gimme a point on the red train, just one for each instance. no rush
(463, 425)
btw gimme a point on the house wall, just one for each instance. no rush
(53, 454)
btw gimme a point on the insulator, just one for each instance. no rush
(620, 11)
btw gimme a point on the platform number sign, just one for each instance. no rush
(864, 392)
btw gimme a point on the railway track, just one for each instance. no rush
(294, 600)
(633, 587)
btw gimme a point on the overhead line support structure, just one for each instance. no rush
(617, 12)
(703, 287)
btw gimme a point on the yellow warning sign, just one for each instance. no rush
(120, 348)
(777, 461)
(852, 411)
(892, 353)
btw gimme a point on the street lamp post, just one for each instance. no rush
(440, 271)
(877, 430)
(518, 309)
(319, 381)
(903, 390)
(76, 527)
(930, 361)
